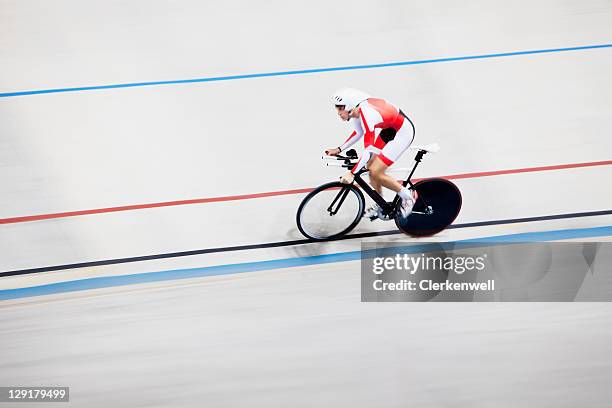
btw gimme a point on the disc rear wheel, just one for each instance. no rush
(436, 207)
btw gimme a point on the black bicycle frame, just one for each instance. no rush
(386, 207)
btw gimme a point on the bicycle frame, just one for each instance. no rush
(387, 208)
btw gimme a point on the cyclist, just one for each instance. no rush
(366, 114)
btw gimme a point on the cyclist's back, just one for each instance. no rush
(382, 113)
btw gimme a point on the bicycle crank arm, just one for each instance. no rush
(428, 211)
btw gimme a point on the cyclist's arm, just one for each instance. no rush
(354, 137)
(351, 140)
(362, 161)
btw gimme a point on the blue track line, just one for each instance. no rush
(300, 72)
(112, 281)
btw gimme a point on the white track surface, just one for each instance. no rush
(295, 336)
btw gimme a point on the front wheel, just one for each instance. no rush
(436, 207)
(330, 211)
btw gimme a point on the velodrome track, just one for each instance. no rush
(153, 157)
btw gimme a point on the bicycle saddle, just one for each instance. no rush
(430, 148)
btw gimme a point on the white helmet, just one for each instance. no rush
(349, 97)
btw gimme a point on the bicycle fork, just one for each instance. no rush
(342, 196)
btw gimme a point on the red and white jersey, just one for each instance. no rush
(374, 114)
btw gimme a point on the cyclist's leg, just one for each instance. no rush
(374, 211)
(374, 181)
(376, 149)
(389, 154)
(377, 172)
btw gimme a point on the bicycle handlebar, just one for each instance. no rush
(347, 159)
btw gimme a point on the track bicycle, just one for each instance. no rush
(333, 209)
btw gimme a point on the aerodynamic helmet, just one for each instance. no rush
(349, 98)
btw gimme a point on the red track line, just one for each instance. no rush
(528, 170)
(275, 193)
